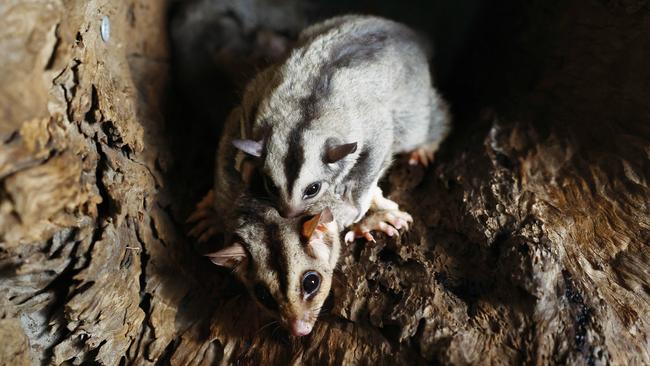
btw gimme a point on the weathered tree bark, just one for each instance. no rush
(531, 241)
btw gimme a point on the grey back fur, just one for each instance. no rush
(350, 79)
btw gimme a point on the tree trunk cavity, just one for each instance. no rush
(531, 241)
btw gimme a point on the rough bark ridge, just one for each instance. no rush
(531, 241)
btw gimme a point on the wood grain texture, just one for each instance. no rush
(531, 241)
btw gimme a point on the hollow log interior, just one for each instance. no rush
(531, 240)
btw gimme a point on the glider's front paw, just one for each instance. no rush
(386, 221)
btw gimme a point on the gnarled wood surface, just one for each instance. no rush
(532, 235)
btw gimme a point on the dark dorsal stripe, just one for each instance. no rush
(277, 259)
(295, 156)
(351, 53)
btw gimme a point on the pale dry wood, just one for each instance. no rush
(530, 241)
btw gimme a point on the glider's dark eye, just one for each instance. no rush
(312, 190)
(264, 297)
(270, 187)
(310, 283)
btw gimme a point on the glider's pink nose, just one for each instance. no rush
(300, 328)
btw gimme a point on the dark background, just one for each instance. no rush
(477, 62)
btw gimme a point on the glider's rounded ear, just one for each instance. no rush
(326, 216)
(317, 222)
(250, 147)
(337, 152)
(229, 257)
(314, 232)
